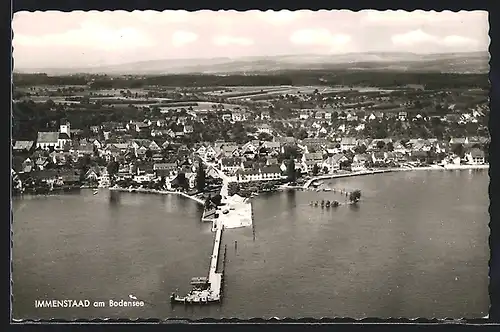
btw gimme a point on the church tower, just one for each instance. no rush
(65, 128)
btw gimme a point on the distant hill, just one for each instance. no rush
(467, 62)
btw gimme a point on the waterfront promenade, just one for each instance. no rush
(394, 169)
(342, 175)
(235, 211)
(160, 192)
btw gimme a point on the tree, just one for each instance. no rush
(302, 133)
(315, 169)
(233, 188)
(290, 152)
(149, 154)
(486, 149)
(265, 137)
(112, 167)
(360, 149)
(183, 181)
(459, 150)
(380, 145)
(345, 165)
(290, 171)
(84, 163)
(390, 146)
(200, 177)
(355, 196)
(217, 199)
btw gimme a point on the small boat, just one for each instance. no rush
(316, 203)
(335, 203)
(311, 203)
(327, 189)
(327, 204)
(95, 192)
(322, 203)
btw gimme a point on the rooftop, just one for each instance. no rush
(47, 137)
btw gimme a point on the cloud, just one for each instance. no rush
(414, 37)
(181, 38)
(90, 34)
(319, 37)
(419, 37)
(229, 40)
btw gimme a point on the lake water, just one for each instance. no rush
(415, 246)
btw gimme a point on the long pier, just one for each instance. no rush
(214, 277)
(212, 293)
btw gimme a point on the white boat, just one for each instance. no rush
(96, 192)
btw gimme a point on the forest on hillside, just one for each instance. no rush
(431, 81)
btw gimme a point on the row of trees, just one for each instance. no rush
(296, 77)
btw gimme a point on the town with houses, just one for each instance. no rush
(248, 140)
(335, 168)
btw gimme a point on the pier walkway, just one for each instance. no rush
(334, 176)
(215, 278)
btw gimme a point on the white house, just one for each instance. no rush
(188, 129)
(210, 152)
(104, 179)
(97, 144)
(360, 127)
(264, 128)
(402, 116)
(265, 115)
(238, 115)
(332, 163)
(348, 143)
(359, 162)
(230, 165)
(475, 157)
(147, 177)
(379, 157)
(266, 173)
(311, 159)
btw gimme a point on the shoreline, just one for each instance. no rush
(335, 176)
(388, 170)
(159, 192)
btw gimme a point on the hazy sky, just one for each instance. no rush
(59, 39)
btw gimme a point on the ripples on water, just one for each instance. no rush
(415, 246)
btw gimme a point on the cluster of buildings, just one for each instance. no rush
(59, 156)
(169, 143)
